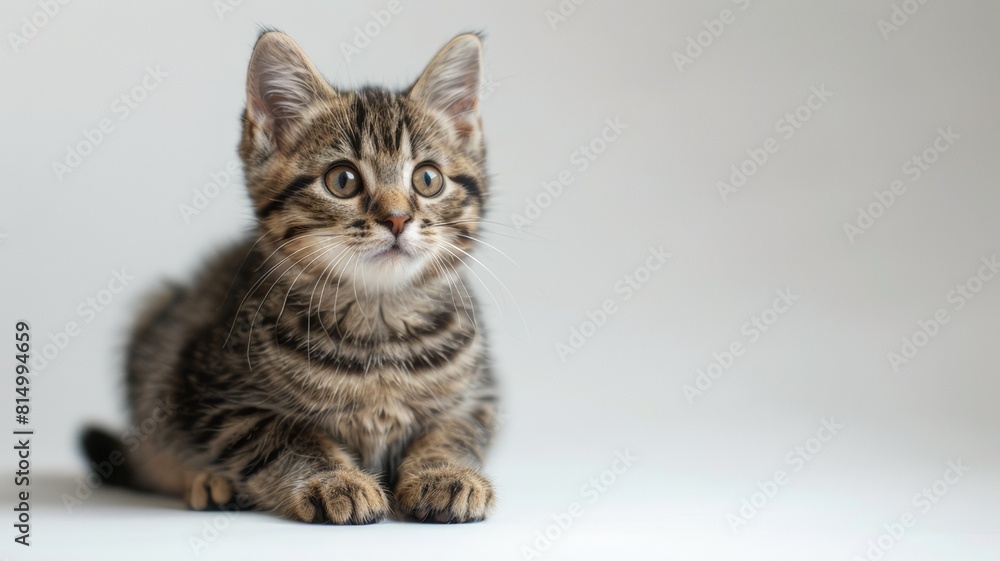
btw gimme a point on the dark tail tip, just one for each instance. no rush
(108, 457)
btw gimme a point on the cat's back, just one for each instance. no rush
(175, 313)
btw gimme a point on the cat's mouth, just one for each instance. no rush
(391, 252)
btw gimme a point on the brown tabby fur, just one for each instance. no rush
(304, 372)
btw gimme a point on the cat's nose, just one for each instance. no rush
(396, 221)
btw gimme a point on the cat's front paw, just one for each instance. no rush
(446, 494)
(343, 496)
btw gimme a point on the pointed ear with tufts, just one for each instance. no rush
(450, 85)
(281, 86)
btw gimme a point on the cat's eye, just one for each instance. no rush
(427, 180)
(343, 181)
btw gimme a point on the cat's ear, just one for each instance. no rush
(450, 85)
(281, 85)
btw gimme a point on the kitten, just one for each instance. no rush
(331, 370)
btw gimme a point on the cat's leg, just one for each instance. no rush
(439, 479)
(298, 471)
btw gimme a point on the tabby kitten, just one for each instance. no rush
(330, 368)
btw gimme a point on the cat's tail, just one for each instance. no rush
(109, 458)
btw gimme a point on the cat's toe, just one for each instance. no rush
(206, 491)
(341, 496)
(447, 494)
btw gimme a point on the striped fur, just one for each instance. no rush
(311, 371)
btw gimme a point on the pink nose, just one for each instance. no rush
(396, 222)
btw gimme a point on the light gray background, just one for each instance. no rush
(654, 186)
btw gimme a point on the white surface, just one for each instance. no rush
(654, 186)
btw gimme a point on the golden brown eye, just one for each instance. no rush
(343, 181)
(427, 180)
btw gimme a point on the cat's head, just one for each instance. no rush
(372, 183)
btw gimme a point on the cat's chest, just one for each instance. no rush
(376, 430)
